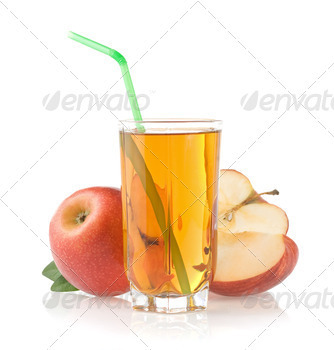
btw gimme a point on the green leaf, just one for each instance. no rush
(51, 271)
(61, 285)
(146, 179)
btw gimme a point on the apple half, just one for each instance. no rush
(253, 252)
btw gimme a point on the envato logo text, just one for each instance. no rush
(53, 300)
(77, 102)
(273, 102)
(313, 300)
(269, 300)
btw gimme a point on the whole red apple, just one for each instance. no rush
(87, 241)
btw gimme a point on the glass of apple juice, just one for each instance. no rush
(169, 195)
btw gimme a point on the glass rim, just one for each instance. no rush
(171, 120)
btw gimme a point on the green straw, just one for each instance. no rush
(119, 58)
(138, 161)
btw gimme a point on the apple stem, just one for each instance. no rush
(229, 214)
(273, 193)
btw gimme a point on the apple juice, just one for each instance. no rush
(169, 195)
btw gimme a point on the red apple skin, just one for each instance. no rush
(264, 281)
(90, 254)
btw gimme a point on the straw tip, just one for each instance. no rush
(70, 34)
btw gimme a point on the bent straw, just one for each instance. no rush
(138, 161)
(119, 58)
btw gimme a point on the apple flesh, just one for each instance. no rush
(253, 253)
(86, 240)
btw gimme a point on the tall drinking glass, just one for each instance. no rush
(169, 194)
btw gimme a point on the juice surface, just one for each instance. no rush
(169, 193)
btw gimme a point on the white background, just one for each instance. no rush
(213, 53)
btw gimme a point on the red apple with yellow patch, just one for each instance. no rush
(87, 241)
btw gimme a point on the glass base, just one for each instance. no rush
(170, 303)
